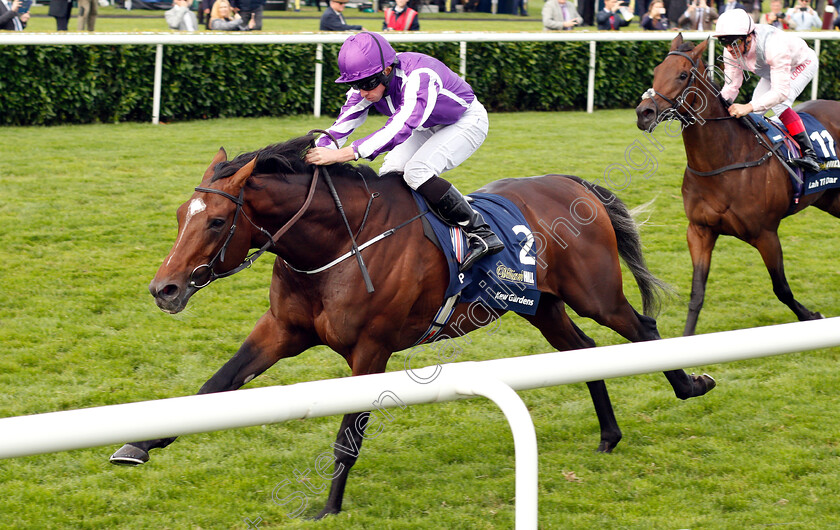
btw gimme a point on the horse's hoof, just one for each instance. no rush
(705, 381)
(605, 447)
(129, 455)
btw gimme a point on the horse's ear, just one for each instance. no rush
(698, 50)
(677, 42)
(238, 179)
(221, 156)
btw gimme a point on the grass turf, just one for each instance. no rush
(88, 212)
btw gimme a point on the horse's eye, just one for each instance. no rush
(683, 76)
(217, 223)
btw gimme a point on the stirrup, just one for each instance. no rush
(475, 255)
(806, 163)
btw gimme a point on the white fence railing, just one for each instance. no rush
(496, 380)
(159, 40)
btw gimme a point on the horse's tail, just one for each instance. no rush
(653, 289)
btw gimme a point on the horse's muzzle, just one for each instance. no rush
(646, 115)
(169, 296)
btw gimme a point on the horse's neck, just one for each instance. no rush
(320, 234)
(714, 141)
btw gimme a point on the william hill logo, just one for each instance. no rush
(513, 275)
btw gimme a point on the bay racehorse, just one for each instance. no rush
(731, 185)
(253, 200)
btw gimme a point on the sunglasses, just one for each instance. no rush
(730, 41)
(367, 84)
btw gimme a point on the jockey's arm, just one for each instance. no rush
(778, 56)
(733, 74)
(324, 156)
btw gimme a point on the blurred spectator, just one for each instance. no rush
(248, 9)
(560, 15)
(803, 18)
(723, 7)
(333, 20)
(613, 16)
(674, 10)
(521, 7)
(699, 16)
(179, 17)
(10, 17)
(88, 10)
(775, 17)
(655, 19)
(400, 18)
(61, 11)
(204, 7)
(222, 18)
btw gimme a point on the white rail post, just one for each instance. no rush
(158, 81)
(319, 76)
(590, 90)
(463, 51)
(711, 58)
(524, 438)
(816, 80)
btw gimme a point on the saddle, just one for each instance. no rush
(505, 281)
(804, 183)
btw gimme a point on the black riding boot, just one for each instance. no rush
(808, 161)
(454, 210)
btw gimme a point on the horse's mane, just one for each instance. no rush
(285, 158)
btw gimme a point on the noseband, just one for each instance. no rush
(679, 101)
(272, 240)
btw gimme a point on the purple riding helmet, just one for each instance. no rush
(363, 56)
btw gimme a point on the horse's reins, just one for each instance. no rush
(272, 240)
(334, 193)
(688, 121)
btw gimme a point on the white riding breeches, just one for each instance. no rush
(430, 152)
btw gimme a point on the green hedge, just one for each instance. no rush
(47, 85)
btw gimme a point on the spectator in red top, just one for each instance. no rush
(401, 18)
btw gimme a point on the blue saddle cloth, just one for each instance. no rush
(507, 280)
(829, 174)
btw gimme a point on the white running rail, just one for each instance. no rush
(496, 379)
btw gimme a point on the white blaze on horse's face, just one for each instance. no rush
(197, 206)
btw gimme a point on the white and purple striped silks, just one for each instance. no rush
(424, 94)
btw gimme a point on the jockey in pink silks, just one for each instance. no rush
(436, 122)
(783, 61)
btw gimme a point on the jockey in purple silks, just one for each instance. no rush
(435, 123)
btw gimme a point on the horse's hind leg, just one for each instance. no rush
(556, 326)
(770, 248)
(267, 343)
(604, 302)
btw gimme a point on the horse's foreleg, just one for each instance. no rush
(266, 344)
(701, 242)
(770, 248)
(347, 445)
(368, 357)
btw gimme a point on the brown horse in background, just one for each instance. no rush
(241, 203)
(745, 202)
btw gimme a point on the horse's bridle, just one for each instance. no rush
(272, 240)
(679, 101)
